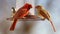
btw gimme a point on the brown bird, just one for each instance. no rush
(13, 12)
(44, 15)
(23, 11)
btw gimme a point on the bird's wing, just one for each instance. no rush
(20, 13)
(47, 13)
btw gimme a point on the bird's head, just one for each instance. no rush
(39, 7)
(28, 5)
(12, 8)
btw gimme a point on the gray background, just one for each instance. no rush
(41, 27)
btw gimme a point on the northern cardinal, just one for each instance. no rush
(45, 15)
(23, 11)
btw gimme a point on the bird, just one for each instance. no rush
(44, 14)
(20, 13)
(13, 11)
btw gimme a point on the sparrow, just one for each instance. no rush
(44, 14)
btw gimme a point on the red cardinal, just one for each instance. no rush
(23, 11)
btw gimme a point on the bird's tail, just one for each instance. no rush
(53, 26)
(13, 25)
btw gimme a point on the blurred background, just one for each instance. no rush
(40, 27)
